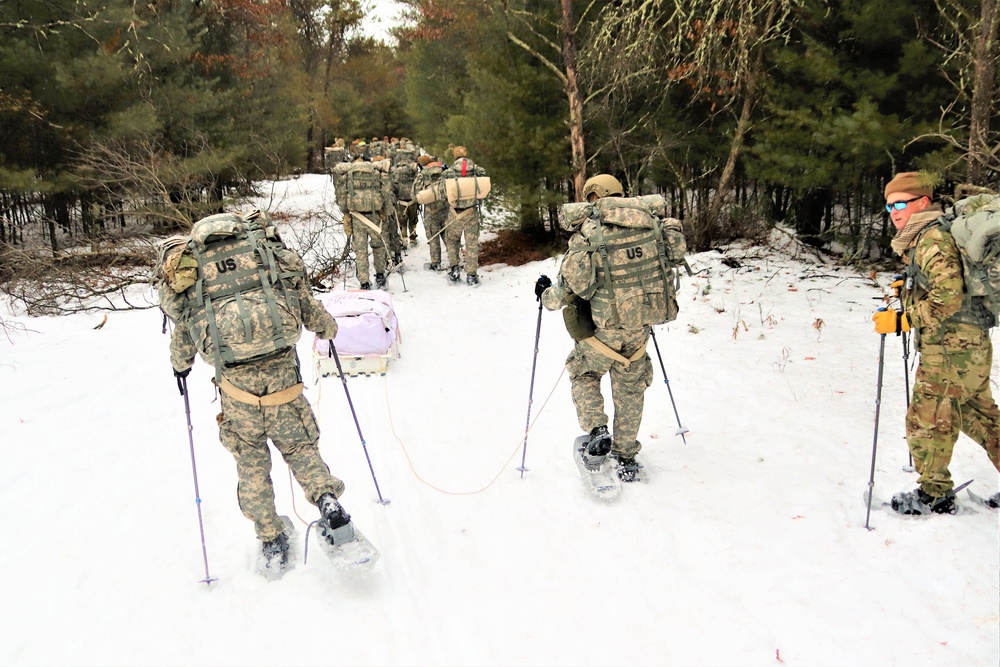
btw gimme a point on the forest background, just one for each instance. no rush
(122, 120)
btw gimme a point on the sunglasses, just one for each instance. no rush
(899, 205)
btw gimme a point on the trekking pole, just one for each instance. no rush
(364, 445)
(531, 389)
(182, 386)
(906, 378)
(681, 430)
(878, 403)
(898, 286)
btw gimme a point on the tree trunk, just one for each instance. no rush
(579, 155)
(984, 56)
(754, 75)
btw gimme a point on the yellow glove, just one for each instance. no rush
(897, 286)
(348, 225)
(890, 321)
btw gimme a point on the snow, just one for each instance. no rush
(747, 546)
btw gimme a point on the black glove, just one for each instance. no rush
(182, 374)
(542, 284)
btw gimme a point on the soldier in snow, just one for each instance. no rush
(951, 391)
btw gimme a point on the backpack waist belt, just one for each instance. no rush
(277, 398)
(368, 223)
(611, 354)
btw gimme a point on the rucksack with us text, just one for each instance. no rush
(974, 223)
(234, 285)
(624, 260)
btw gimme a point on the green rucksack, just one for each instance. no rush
(402, 176)
(359, 186)
(232, 285)
(974, 223)
(626, 265)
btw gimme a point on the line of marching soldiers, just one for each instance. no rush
(377, 186)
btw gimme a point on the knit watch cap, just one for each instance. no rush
(910, 182)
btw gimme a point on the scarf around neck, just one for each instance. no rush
(907, 235)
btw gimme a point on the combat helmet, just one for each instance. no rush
(602, 185)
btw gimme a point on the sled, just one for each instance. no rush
(367, 333)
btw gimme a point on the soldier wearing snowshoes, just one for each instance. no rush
(435, 212)
(244, 321)
(463, 215)
(615, 282)
(951, 391)
(364, 193)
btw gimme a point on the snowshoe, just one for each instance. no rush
(432, 266)
(366, 286)
(454, 275)
(276, 556)
(472, 280)
(344, 545)
(993, 502)
(919, 502)
(379, 281)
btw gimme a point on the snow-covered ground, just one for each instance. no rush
(747, 545)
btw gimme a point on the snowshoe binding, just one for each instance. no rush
(597, 448)
(379, 281)
(454, 275)
(919, 502)
(472, 280)
(366, 286)
(432, 266)
(629, 470)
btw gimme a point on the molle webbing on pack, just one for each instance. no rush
(244, 272)
(629, 258)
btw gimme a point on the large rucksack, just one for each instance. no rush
(625, 260)
(974, 223)
(359, 185)
(402, 176)
(231, 284)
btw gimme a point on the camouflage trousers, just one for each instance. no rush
(361, 238)
(390, 231)
(245, 429)
(434, 219)
(951, 393)
(408, 219)
(587, 365)
(459, 223)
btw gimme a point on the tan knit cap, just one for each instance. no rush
(911, 182)
(459, 151)
(423, 160)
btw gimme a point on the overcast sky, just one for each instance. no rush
(383, 15)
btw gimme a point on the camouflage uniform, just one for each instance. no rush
(463, 221)
(291, 426)
(435, 213)
(624, 334)
(403, 177)
(363, 236)
(951, 392)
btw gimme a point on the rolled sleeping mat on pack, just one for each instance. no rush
(466, 188)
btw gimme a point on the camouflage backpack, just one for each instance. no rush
(231, 283)
(359, 185)
(402, 176)
(405, 155)
(974, 223)
(625, 260)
